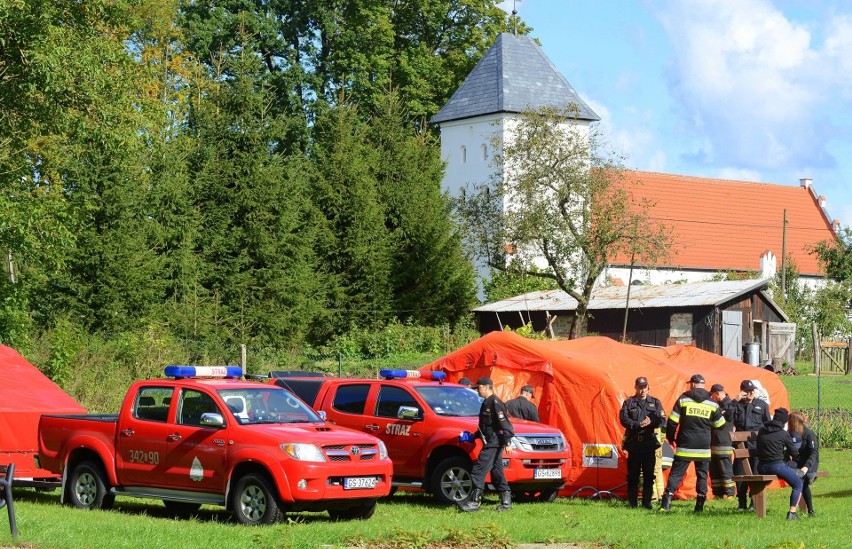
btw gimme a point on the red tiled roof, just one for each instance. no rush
(728, 225)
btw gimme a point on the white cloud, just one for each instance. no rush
(632, 139)
(749, 81)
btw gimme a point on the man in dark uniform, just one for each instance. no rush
(721, 448)
(640, 415)
(693, 418)
(748, 413)
(496, 433)
(522, 407)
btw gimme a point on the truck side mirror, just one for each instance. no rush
(322, 415)
(408, 412)
(212, 420)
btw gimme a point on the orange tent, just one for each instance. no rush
(26, 394)
(580, 385)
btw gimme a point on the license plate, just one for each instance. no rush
(547, 473)
(357, 483)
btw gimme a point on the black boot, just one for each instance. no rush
(666, 502)
(505, 501)
(646, 501)
(472, 502)
(743, 503)
(632, 497)
(699, 503)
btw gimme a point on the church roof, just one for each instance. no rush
(721, 224)
(513, 76)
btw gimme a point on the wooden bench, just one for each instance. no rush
(7, 472)
(756, 483)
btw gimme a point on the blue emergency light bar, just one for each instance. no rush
(204, 371)
(412, 374)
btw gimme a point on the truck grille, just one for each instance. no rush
(351, 452)
(542, 443)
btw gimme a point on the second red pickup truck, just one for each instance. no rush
(251, 447)
(422, 421)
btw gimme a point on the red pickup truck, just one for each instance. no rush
(256, 449)
(425, 425)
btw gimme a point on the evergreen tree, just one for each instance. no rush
(356, 247)
(433, 281)
(254, 203)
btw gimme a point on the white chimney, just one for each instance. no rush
(822, 201)
(806, 182)
(768, 265)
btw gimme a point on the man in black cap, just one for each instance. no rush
(522, 407)
(693, 418)
(496, 433)
(640, 415)
(721, 448)
(748, 413)
(465, 382)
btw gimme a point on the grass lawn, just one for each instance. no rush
(412, 520)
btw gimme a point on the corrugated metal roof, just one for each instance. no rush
(641, 296)
(513, 76)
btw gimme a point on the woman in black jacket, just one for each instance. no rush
(807, 463)
(773, 446)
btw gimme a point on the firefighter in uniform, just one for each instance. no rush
(693, 418)
(748, 413)
(496, 433)
(641, 415)
(522, 407)
(721, 448)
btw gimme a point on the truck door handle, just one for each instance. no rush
(128, 432)
(372, 427)
(174, 437)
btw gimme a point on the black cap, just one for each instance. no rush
(747, 385)
(640, 382)
(696, 378)
(464, 381)
(528, 389)
(716, 388)
(483, 381)
(781, 415)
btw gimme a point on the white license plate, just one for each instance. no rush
(356, 483)
(547, 473)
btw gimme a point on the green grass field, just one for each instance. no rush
(413, 521)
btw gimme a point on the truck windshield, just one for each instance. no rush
(267, 405)
(451, 401)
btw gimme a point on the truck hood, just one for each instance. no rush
(322, 434)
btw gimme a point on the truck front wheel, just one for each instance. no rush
(451, 482)
(254, 501)
(88, 487)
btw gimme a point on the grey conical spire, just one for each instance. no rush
(513, 76)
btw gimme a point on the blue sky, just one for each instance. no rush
(755, 90)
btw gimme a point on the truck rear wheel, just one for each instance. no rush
(361, 512)
(88, 488)
(254, 501)
(451, 481)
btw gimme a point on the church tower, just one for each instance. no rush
(513, 76)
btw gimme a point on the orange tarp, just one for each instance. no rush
(26, 394)
(580, 385)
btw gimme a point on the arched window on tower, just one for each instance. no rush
(484, 151)
(464, 154)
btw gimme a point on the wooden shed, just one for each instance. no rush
(736, 318)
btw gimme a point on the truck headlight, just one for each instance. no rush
(521, 444)
(303, 452)
(383, 450)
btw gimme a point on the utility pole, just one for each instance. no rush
(784, 257)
